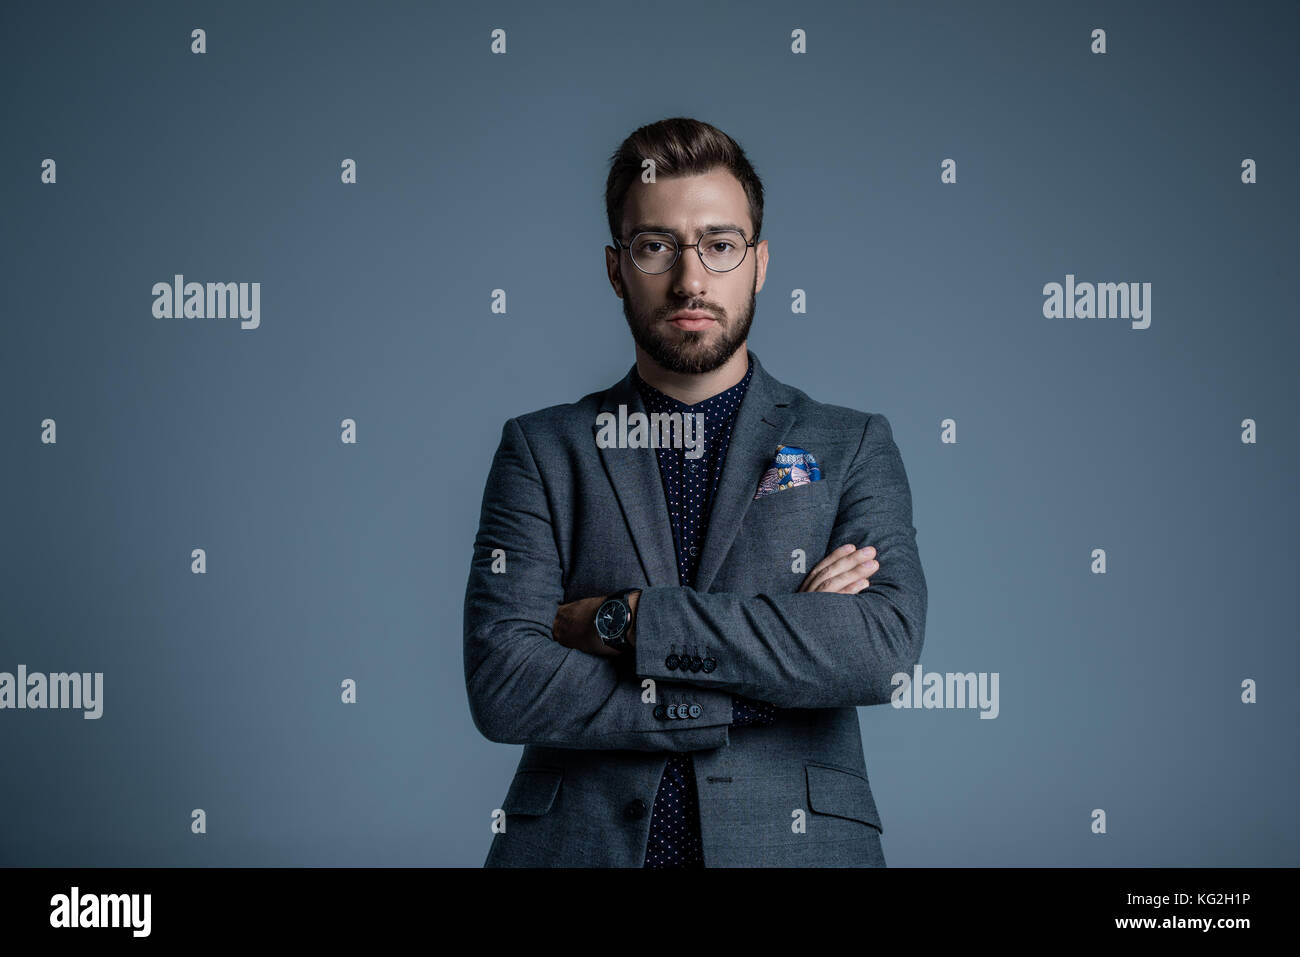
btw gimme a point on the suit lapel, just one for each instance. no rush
(634, 473)
(761, 423)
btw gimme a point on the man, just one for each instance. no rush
(639, 612)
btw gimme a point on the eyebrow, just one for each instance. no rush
(660, 228)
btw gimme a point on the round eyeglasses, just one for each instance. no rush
(721, 250)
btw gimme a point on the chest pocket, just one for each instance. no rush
(797, 498)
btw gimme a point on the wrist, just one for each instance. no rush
(613, 622)
(632, 599)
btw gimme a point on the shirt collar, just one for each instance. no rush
(725, 402)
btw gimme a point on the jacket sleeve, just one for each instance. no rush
(523, 686)
(811, 649)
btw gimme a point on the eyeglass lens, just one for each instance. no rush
(721, 250)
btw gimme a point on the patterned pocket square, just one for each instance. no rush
(790, 467)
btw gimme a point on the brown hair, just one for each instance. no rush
(679, 146)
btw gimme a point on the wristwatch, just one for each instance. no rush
(612, 618)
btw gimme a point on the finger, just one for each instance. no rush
(818, 580)
(848, 582)
(835, 564)
(843, 558)
(845, 572)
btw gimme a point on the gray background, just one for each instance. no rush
(476, 171)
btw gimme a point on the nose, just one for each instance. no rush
(690, 277)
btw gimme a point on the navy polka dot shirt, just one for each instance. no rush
(689, 486)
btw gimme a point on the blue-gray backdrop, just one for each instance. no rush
(479, 170)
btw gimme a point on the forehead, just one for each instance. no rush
(687, 205)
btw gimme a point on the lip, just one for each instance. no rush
(691, 319)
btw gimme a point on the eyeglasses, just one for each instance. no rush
(721, 250)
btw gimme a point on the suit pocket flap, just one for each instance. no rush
(533, 791)
(841, 793)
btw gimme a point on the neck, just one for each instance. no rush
(692, 388)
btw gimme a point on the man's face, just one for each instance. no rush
(687, 206)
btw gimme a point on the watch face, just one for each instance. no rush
(611, 619)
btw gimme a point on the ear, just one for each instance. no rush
(614, 267)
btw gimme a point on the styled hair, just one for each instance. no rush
(679, 146)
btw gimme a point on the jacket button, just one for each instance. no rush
(695, 711)
(708, 664)
(661, 712)
(672, 662)
(672, 711)
(696, 663)
(634, 809)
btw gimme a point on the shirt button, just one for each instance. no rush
(634, 809)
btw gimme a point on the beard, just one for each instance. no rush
(690, 352)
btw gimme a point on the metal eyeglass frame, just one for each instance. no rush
(680, 246)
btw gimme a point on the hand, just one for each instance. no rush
(575, 627)
(845, 571)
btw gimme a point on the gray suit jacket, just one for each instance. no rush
(572, 520)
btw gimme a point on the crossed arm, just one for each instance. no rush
(574, 627)
(843, 571)
(800, 650)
